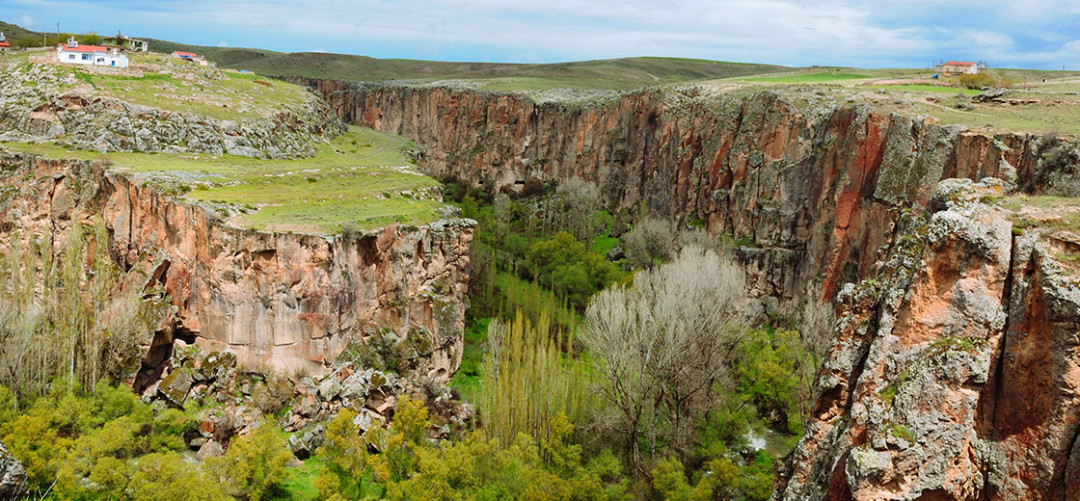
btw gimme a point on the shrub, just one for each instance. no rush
(254, 465)
(976, 81)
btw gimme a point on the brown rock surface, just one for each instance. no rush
(953, 369)
(286, 301)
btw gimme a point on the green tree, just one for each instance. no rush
(399, 444)
(345, 453)
(564, 264)
(90, 38)
(254, 464)
(773, 372)
(527, 381)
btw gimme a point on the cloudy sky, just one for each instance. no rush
(868, 33)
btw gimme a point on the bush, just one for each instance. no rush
(254, 465)
(564, 264)
(649, 242)
(976, 81)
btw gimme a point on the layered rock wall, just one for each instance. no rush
(952, 371)
(285, 301)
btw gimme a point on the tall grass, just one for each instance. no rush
(528, 380)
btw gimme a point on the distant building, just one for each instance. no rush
(93, 55)
(190, 56)
(959, 68)
(4, 45)
(136, 45)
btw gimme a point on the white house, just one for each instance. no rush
(960, 68)
(94, 55)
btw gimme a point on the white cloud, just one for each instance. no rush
(223, 44)
(26, 21)
(777, 31)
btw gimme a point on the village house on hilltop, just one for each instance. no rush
(191, 56)
(959, 68)
(95, 55)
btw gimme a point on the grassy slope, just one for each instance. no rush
(362, 178)
(617, 74)
(165, 83)
(15, 32)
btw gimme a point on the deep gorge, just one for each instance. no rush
(951, 373)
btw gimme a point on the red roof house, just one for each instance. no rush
(960, 67)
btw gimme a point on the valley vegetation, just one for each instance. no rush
(606, 360)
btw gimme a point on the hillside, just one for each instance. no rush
(615, 74)
(610, 74)
(263, 153)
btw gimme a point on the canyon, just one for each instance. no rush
(952, 365)
(948, 317)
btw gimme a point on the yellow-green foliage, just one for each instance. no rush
(68, 315)
(125, 447)
(254, 465)
(476, 468)
(776, 373)
(346, 460)
(528, 380)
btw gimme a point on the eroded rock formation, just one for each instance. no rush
(41, 103)
(952, 372)
(285, 301)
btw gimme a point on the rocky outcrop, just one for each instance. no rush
(12, 475)
(286, 301)
(39, 103)
(952, 369)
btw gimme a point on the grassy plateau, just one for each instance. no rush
(362, 178)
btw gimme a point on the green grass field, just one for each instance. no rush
(937, 89)
(361, 178)
(812, 78)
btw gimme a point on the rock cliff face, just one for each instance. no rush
(953, 368)
(286, 301)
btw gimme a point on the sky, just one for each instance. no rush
(1038, 34)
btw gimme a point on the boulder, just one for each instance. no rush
(304, 444)
(615, 254)
(12, 475)
(210, 449)
(174, 388)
